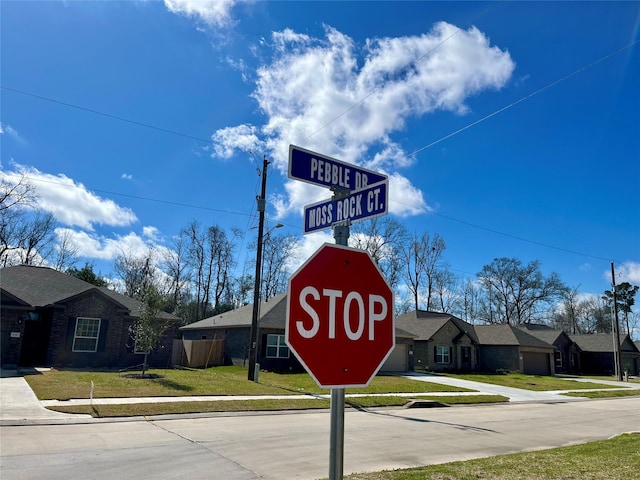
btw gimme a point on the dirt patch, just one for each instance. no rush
(140, 375)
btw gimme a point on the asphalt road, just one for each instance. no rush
(282, 446)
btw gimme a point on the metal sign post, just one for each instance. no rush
(336, 435)
(339, 275)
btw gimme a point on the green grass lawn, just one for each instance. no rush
(66, 384)
(150, 409)
(605, 393)
(231, 380)
(614, 459)
(531, 382)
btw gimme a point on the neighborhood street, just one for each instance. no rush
(294, 445)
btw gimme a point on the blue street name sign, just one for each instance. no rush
(359, 205)
(312, 167)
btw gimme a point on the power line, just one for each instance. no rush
(522, 239)
(527, 97)
(108, 115)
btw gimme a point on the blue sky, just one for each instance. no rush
(512, 129)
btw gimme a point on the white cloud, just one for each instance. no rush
(628, 272)
(91, 245)
(70, 202)
(215, 13)
(330, 96)
(126, 176)
(6, 129)
(152, 233)
(242, 137)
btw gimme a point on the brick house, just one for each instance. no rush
(49, 318)
(597, 356)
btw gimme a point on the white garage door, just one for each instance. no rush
(397, 361)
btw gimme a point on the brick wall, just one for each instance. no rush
(503, 357)
(11, 321)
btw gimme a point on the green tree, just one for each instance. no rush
(625, 297)
(87, 274)
(149, 327)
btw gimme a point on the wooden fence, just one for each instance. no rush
(198, 353)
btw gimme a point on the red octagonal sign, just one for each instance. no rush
(340, 322)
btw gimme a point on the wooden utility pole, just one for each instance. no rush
(616, 327)
(253, 341)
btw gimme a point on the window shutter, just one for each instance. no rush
(102, 336)
(435, 354)
(71, 330)
(450, 354)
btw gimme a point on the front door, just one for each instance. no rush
(35, 342)
(466, 358)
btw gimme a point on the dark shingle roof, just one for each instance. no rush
(273, 314)
(424, 325)
(595, 342)
(505, 334)
(42, 287)
(549, 336)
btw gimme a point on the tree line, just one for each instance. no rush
(199, 275)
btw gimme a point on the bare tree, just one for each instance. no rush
(210, 260)
(136, 272)
(467, 305)
(26, 234)
(433, 256)
(444, 289)
(278, 254)
(174, 264)
(414, 253)
(516, 293)
(66, 255)
(384, 238)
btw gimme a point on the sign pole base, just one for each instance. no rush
(336, 444)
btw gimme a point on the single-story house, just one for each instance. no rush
(440, 341)
(597, 355)
(566, 357)
(234, 327)
(49, 318)
(509, 348)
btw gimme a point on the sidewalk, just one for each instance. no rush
(517, 394)
(19, 403)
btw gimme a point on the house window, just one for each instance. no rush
(86, 335)
(558, 357)
(443, 354)
(276, 347)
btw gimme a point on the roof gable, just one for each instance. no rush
(548, 335)
(424, 325)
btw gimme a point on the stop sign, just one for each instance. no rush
(340, 322)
